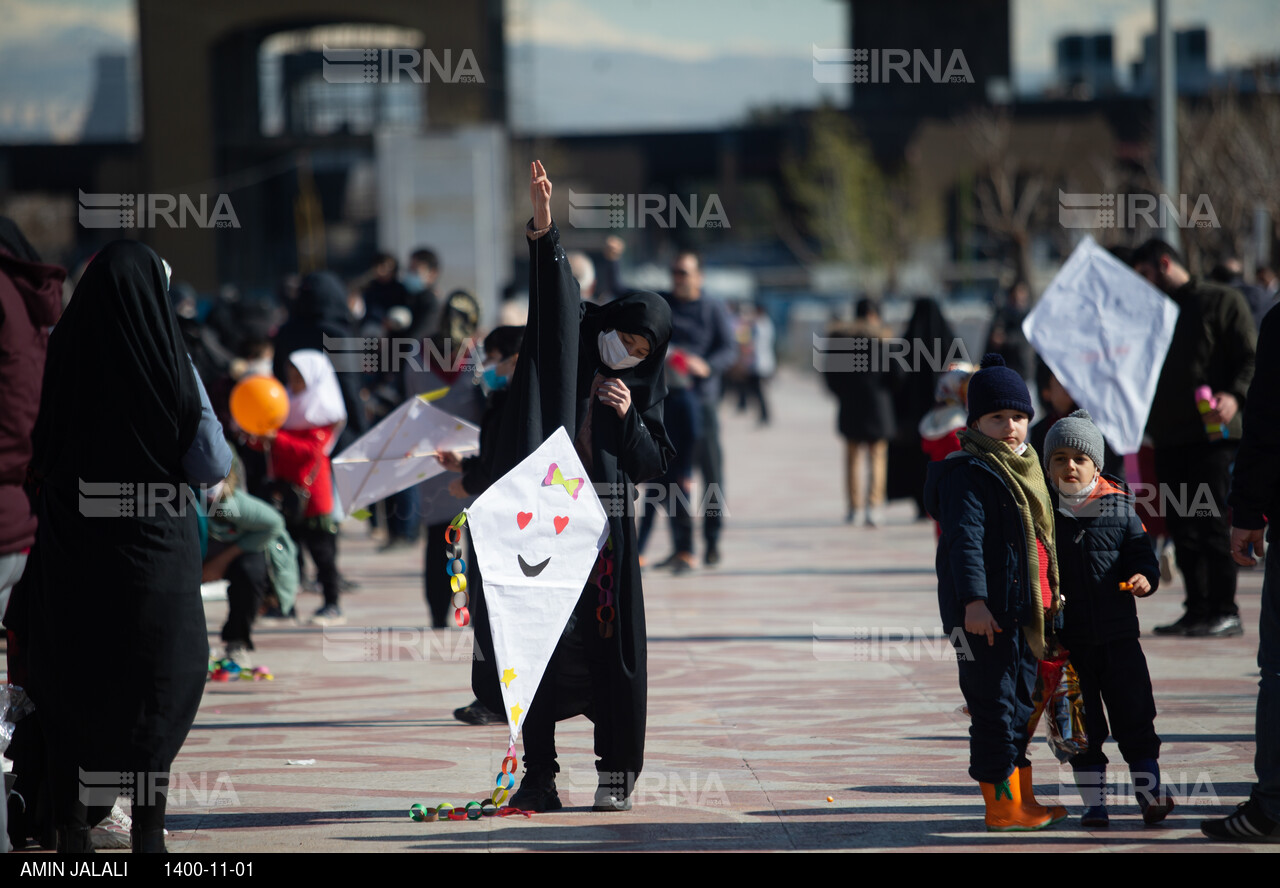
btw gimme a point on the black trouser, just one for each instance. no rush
(1116, 674)
(682, 418)
(435, 579)
(320, 537)
(998, 682)
(576, 680)
(710, 463)
(1194, 480)
(248, 582)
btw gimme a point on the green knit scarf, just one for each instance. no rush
(1024, 478)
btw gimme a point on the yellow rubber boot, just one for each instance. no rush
(1055, 813)
(1004, 807)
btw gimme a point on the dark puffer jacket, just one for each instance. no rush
(1100, 545)
(30, 301)
(982, 548)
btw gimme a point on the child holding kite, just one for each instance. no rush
(998, 581)
(596, 371)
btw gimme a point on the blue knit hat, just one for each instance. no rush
(996, 387)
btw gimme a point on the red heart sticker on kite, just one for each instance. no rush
(523, 518)
(561, 523)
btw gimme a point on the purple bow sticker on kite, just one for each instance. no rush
(571, 485)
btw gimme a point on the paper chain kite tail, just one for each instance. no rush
(538, 534)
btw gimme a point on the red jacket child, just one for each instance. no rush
(301, 456)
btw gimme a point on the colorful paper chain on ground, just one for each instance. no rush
(473, 810)
(492, 806)
(227, 670)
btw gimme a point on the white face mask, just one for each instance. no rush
(614, 353)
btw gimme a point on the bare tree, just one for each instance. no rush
(1229, 154)
(849, 205)
(1007, 190)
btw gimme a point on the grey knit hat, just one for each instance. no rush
(1076, 431)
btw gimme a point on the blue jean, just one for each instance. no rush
(998, 684)
(1267, 756)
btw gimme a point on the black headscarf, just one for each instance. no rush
(639, 313)
(120, 406)
(119, 399)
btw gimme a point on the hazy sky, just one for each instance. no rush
(620, 64)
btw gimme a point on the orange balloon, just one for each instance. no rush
(259, 404)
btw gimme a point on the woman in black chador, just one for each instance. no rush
(111, 607)
(596, 371)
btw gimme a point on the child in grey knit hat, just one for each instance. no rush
(1105, 562)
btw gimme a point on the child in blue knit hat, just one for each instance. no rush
(997, 582)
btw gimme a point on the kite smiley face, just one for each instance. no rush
(553, 479)
(541, 524)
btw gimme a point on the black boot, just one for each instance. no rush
(147, 841)
(74, 840)
(537, 791)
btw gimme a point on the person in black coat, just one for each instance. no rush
(913, 397)
(597, 372)
(320, 310)
(1255, 500)
(116, 577)
(1105, 561)
(866, 420)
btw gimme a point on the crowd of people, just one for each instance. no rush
(1024, 513)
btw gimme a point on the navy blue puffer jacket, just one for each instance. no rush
(982, 550)
(1101, 544)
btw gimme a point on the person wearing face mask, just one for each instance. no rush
(1106, 561)
(597, 372)
(502, 350)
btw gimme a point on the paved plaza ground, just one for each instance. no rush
(762, 700)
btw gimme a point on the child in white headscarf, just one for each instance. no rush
(298, 460)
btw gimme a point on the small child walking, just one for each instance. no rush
(298, 462)
(998, 581)
(1107, 562)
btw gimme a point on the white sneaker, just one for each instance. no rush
(329, 615)
(239, 654)
(112, 832)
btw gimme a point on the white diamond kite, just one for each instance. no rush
(399, 452)
(1104, 331)
(536, 532)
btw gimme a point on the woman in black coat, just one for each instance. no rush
(114, 576)
(612, 407)
(866, 419)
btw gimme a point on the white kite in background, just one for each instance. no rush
(399, 452)
(1104, 331)
(536, 533)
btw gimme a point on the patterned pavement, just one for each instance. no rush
(809, 664)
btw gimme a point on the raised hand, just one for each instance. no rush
(540, 195)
